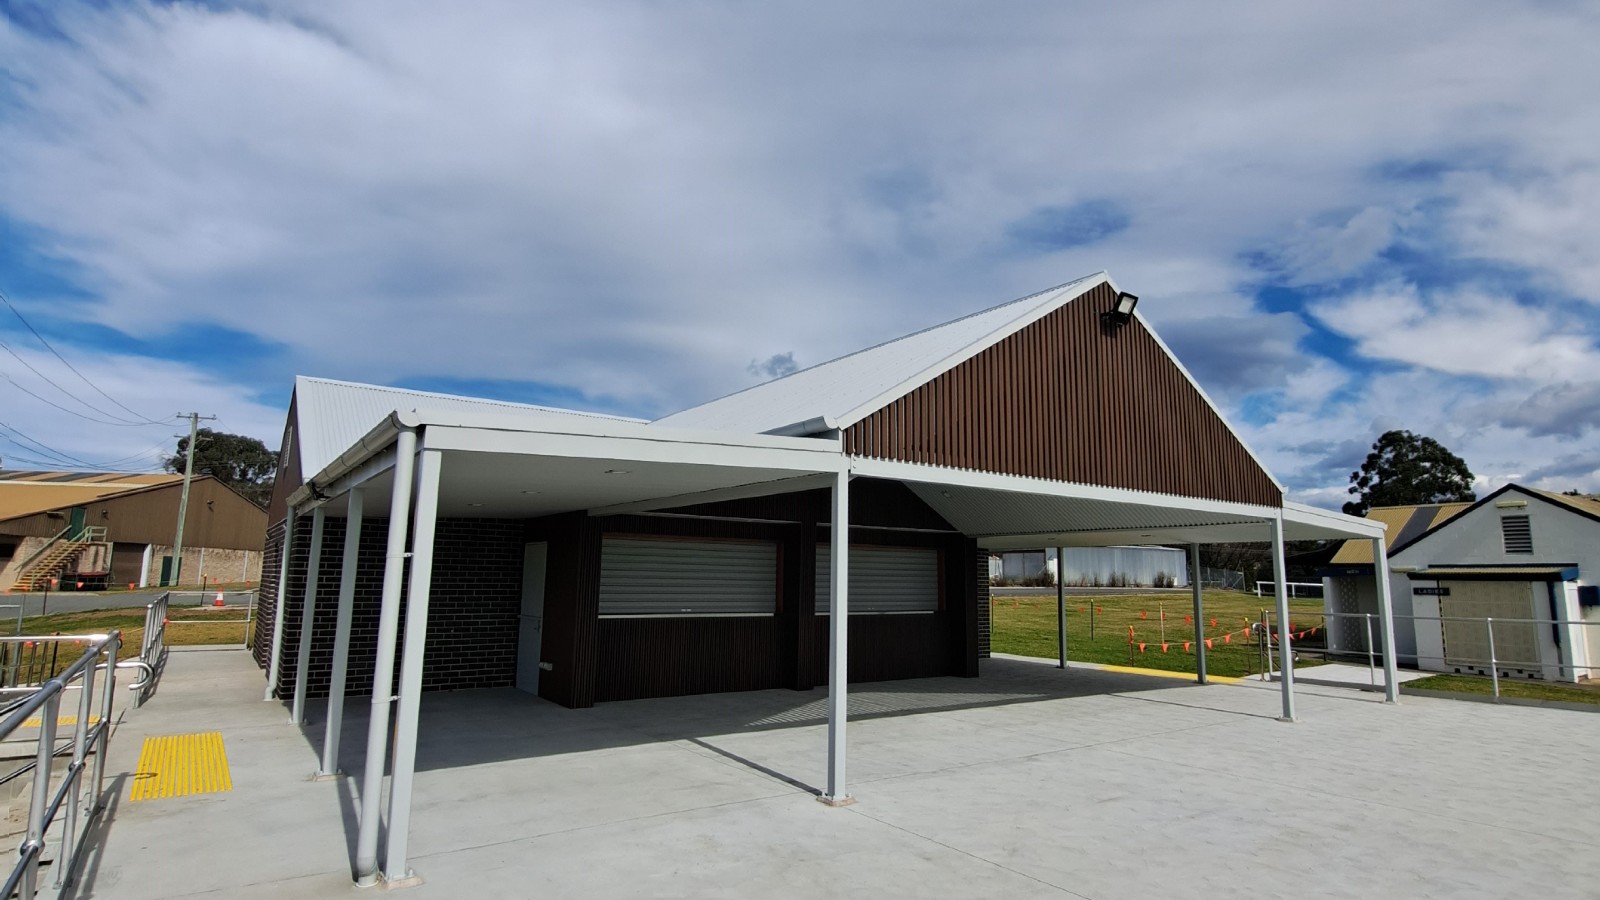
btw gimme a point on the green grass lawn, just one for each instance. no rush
(1509, 687)
(206, 630)
(1026, 626)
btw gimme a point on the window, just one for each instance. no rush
(656, 577)
(1517, 534)
(883, 579)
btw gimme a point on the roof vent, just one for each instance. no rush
(1517, 534)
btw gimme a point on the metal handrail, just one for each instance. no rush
(1494, 663)
(152, 646)
(44, 806)
(28, 560)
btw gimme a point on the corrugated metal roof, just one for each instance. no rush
(1397, 521)
(332, 415)
(27, 493)
(846, 388)
(1584, 504)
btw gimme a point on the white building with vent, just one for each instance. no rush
(1520, 563)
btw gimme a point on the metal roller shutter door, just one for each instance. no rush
(883, 579)
(641, 577)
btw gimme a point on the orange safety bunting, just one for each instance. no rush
(1099, 609)
(1188, 620)
(1163, 648)
(1213, 623)
(1141, 648)
(1227, 638)
(1186, 646)
(1143, 614)
(1208, 643)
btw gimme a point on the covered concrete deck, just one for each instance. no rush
(1026, 782)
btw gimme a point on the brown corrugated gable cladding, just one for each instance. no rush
(1065, 400)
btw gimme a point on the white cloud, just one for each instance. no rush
(1461, 333)
(636, 200)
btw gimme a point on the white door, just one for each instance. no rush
(530, 627)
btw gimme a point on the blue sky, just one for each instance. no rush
(1344, 217)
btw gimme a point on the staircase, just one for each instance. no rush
(55, 556)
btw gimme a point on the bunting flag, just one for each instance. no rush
(1208, 643)
(1188, 620)
(1213, 623)
(1143, 614)
(1163, 648)
(1186, 646)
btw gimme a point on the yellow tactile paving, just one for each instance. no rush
(181, 764)
(61, 721)
(1162, 673)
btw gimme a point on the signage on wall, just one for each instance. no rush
(1431, 591)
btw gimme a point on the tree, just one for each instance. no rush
(243, 463)
(1405, 468)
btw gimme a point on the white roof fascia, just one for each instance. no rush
(1064, 295)
(683, 450)
(743, 492)
(1207, 398)
(1325, 519)
(899, 471)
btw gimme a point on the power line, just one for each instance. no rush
(47, 380)
(18, 313)
(48, 402)
(67, 458)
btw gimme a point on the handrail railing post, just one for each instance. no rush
(1372, 677)
(1494, 664)
(80, 734)
(33, 843)
(107, 698)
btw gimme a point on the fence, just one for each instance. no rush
(1499, 648)
(204, 599)
(1292, 587)
(1228, 579)
(44, 701)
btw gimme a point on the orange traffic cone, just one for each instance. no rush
(219, 600)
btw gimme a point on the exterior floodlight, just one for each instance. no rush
(1119, 315)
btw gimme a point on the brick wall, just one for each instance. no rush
(473, 605)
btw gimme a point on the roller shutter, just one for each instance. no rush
(642, 577)
(883, 579)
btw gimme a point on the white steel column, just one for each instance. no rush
(308, 613)
(273, 660)
(394, 564)
(1199, 615)
(1380, 566)
(1061, 608)
(411, 662)
(838, 641)
(1280, 587)
(341, 634)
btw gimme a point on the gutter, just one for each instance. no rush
(373, 442)
(808, 428)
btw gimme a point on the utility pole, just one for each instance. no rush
(183, 501)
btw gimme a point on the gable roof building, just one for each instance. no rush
(830, 526)
(1518, 555)
(132, 517)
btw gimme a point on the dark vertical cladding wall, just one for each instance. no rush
(1068, 400)
(653, 657)
(288, 479)
(474, 600)
(571, 607)
(267, 597)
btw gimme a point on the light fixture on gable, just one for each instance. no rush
(1118, 315)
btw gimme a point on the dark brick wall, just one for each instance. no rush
(472, 610)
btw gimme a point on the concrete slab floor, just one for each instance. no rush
(1026, 782)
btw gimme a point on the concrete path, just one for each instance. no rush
(1027, 782)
